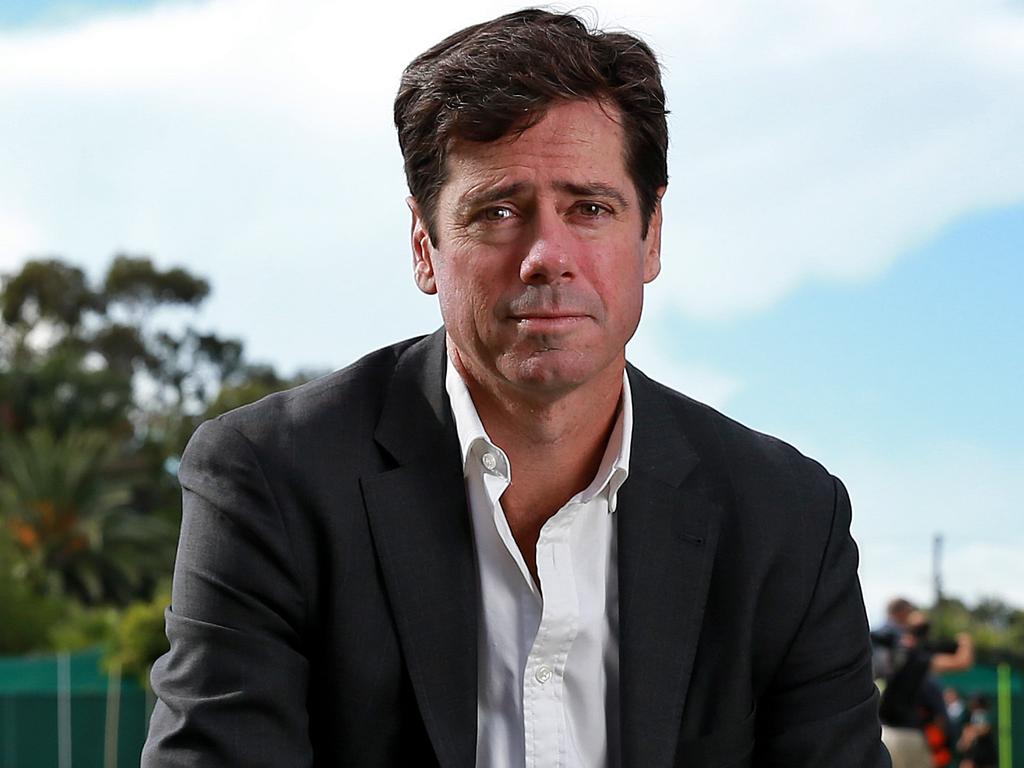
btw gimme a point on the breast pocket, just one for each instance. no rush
(731, 746)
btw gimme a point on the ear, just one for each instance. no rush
(422, 250)
(652, 243)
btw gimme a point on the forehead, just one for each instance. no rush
(575, 141)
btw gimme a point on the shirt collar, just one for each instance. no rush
(473, 438)
(474, 441)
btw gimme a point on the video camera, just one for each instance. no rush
(891, 638)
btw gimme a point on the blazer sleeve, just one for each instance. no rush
(232, 688)
(822, 706)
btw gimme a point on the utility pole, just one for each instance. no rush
(937, 583)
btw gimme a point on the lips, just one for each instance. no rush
(548, 324)
(540, 307)
(549, 316)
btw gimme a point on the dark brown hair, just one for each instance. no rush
(498, 77)
(899, 608)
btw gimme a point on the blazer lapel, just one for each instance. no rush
(420, 526)
(668, 529)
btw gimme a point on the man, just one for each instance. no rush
(887, 637)
(907, 704)
(914, 724)
(500, 545)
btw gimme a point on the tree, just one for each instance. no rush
(996, 627)
(26, 618)
(47, 289)
(138, 638)
(72, 522)
(103, 341)
(135, 284)
(101, 385)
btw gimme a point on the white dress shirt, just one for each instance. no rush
(548, 659)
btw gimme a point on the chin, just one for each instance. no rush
(551, 371)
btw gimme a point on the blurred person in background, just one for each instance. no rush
(887, 637)
(956, 714)
(913, 713)
(978, 742)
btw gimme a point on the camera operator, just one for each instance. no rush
(905, 661)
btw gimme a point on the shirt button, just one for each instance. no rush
(489, 461)
(543, 674)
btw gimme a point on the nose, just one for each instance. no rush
(551, 257)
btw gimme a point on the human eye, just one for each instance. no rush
(589, 209)
(497, 213)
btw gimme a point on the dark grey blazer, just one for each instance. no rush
(325, 590)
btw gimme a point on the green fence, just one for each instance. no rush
(64, 711)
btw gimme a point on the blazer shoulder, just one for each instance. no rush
(345, 403)
(750, 461)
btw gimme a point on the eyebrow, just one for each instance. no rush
(472, 200)
(593, 189)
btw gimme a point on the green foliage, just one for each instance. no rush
(60, 392)
(47, 289)
(139, 638)
(72, 520)
(62, 337)
(259, 381)
(81, 628)
(99, 392)
(135, 282)
(996, 627)
(26, 618)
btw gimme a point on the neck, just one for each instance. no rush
(554, 440)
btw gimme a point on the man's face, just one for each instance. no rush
(540, 264)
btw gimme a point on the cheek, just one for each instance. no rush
(466, 300)
(621, 290)
(628, 303)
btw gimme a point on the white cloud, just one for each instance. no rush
(824, 140)
(251, 140)
(18, 237)
(965, 493)
(653, 355)
(970, 572)
(983, 570)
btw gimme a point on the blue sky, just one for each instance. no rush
(929, 350)
(36, 13)
(844, 237)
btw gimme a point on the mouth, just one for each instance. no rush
(546, 315)
(548, 321)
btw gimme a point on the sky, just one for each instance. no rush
(844, 228)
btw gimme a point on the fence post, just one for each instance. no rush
(1004, 688)
(63, 710)
(112, 720)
